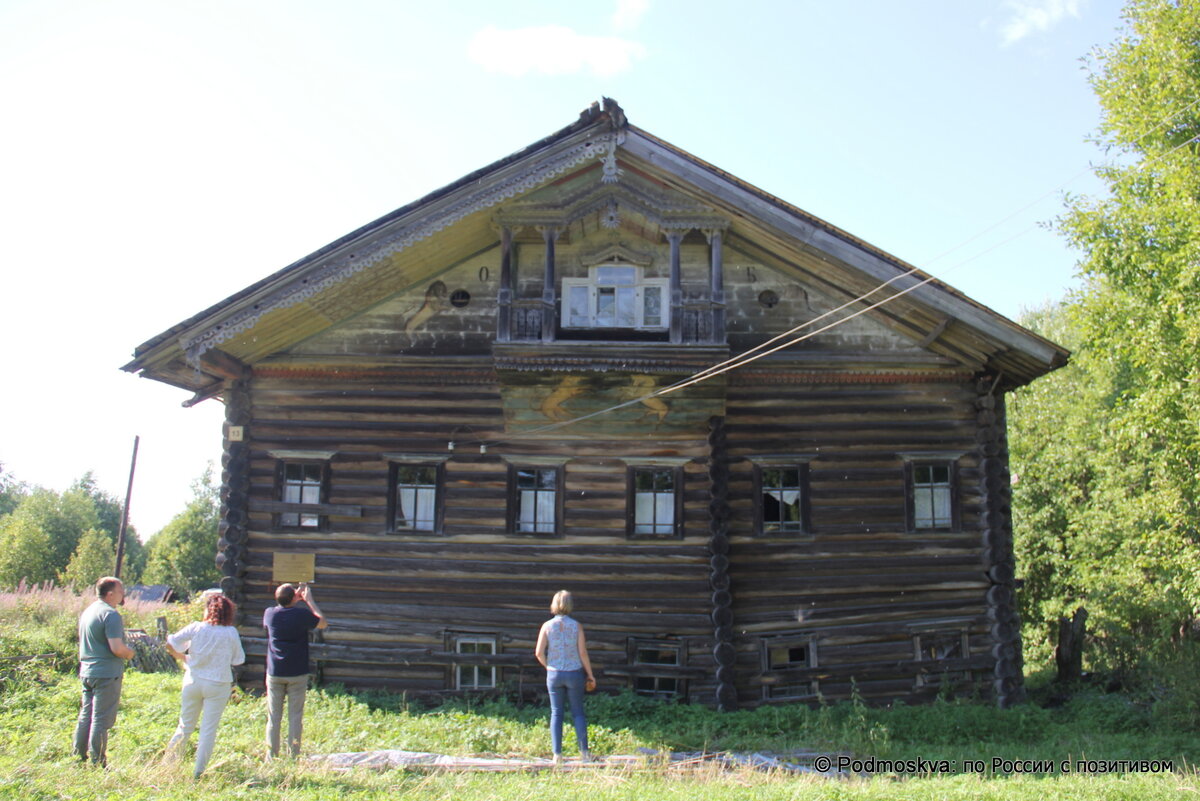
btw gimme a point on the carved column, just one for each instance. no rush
(717, 288)
(504, 299)
(675, 237)
(550, 234)
(998, 561)
(235, 488)
(724, 653)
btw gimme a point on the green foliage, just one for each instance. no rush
(1107, 450)
(94, 558)
(25, 552)
(110, 511)
(11, 491)
(183, 554)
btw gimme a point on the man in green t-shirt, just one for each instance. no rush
(102, 655)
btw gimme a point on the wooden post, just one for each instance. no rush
(504, 299)
(125, 511)
(717, 286)
(675, 237)
(550, 234)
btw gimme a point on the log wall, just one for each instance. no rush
(897, 613)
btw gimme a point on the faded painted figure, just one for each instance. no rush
(562, 650)
(209, 649)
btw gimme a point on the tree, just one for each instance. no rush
(11, 491)
(93, 558)
(25, 551)
(1118, 432)
(183, 554)
(63, 518)
(110, 511)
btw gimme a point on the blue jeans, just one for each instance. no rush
(564, 685)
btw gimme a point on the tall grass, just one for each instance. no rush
(37, 716)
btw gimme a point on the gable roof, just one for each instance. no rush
(317, 291)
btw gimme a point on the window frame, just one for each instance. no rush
(946, 632)
(593, 284)
(459, 639)
(812, 660)
(395, 463)
(282, 462)
(950, 461)
(633, 468)
(513, 514)
(768, 462)
(635, 646)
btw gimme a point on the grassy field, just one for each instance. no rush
(38, 703)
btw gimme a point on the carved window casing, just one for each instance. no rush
(616, 296)
(655, 508)
(931, 492)
(535, 499)
(781, 492)
(301, 482)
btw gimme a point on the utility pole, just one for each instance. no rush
(125, 511)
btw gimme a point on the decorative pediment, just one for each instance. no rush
(670, 211)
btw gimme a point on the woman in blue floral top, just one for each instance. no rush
(562, 650)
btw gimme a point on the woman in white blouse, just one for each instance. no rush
(209, 649)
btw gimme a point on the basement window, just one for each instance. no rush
(654, 653)
(474, 676)
(782, 660)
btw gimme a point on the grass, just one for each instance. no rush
(38, 707)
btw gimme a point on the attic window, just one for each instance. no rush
(615, 295)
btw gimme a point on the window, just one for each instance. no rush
(781, 655)
(615, 296)
(781, 492)
(655, 501)
(475, 677)
(936, 647)
(301, 482)
(414, 501)
(931, 496)
(656, 654)
(535, 500)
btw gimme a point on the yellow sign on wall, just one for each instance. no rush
(293, 567)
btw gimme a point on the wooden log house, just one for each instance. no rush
(507, 387)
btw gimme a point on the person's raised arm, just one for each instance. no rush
(306, 595)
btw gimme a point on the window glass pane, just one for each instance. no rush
(657, 656)
(626, 307)
(615, 275)
(664, 513)
(941, 506)
(545, 511)
(606, 306)
(577, 300)
(652, 306)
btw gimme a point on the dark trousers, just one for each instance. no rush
(97, 713)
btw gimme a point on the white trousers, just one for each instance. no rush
(202, 700)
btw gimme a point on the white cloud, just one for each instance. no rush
(1030, 16)
(551, 50)
(629, 14)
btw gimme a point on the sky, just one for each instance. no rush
(157, 157)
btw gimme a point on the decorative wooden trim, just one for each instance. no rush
(760, 378)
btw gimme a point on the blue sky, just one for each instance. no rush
(156, 157)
